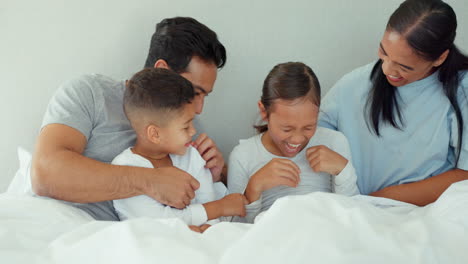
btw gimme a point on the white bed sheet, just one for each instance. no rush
(319, 227)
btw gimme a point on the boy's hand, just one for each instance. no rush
(195, 228)
(323, 159)
(204, 227)
(233, 205)
(211, 154)
(199, 229)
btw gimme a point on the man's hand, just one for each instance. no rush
(211, 154)
(171, 186)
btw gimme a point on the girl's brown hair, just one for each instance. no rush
(289, 81)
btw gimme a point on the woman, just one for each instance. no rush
(405, 116)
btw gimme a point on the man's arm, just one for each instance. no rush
(59, 170)
(423, 192)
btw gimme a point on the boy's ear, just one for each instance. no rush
(161, 64)
(153, 133)
(262, 110)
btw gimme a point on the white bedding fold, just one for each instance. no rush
(319, 227)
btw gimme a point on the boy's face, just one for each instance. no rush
(177, 134)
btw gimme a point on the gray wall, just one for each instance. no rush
(44, 43)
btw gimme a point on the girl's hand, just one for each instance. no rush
(323, 159)
(275, 173)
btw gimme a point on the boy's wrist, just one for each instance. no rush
(214, 209)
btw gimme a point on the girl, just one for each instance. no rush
(405, 115)
(290, 155)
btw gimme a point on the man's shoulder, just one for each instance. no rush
(91, 82)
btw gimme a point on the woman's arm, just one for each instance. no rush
(423, 192)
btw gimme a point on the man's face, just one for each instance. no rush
(202, 75)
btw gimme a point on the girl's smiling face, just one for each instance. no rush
(291, 124)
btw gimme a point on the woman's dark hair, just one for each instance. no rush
(429, 27)
(289, 81)
(178, 39)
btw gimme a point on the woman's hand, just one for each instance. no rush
(275, 173)
(323, 159)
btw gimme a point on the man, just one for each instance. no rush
(85, 127)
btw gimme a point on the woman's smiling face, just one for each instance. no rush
(400, 63)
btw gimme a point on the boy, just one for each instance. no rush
(158, 104)
(85, 127)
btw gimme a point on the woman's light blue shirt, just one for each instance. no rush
(424, 147)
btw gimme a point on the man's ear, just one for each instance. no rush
(161, 64)
(153, 133)
(262, 110)
(441, 59)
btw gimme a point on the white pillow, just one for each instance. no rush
(21, 183)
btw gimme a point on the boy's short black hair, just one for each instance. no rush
(178, 39)
(157, 89)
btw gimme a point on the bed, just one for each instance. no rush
(319, 227)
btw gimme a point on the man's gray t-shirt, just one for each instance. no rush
(93, 104)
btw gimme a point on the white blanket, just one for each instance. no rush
(320, 227)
